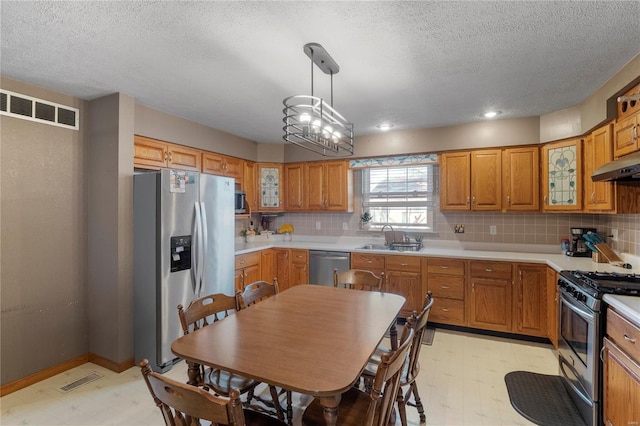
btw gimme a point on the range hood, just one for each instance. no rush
(624, 168)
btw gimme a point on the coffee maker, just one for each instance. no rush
(577, 246)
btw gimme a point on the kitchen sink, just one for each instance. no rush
(397, 246)
(374, 247)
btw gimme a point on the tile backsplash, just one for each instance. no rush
(514, 228)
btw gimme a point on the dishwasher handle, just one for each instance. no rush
(329, 256)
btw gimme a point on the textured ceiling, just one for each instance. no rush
(229, 65)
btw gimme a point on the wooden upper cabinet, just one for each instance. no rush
(597, 151)
(222, 165)
(455, 181)
(327, 185)
(337, 186)
(521, 179)
(471, 180)
(249, 185)
(315, 178)
(156, 154)
(626, 136)
(269, 186)
(562, 175)
(486, 179)
(294, 198)
(627, 128)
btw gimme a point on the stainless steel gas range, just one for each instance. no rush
(582, 330)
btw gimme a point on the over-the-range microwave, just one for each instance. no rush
(240, 202)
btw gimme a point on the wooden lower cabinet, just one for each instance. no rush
(267, 265)
(621, 371)
(489, 305)
(291, 267)
(299, 272)
(552, 306)
(404, 277)
(368, 262)
(282, 267)
(446, 282)
(247, 269)
(530, 299)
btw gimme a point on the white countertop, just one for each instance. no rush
(627, 306)
(497, 252)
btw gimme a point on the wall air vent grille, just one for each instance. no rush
(34, 109)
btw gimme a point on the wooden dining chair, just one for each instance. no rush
(185, 405)
(412, 368)
(255, 292)
(359, 279)
(375, 408)
(200, 313)
(250, 295)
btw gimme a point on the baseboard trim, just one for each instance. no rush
(62, 367)
(43, 375)
(118, 367)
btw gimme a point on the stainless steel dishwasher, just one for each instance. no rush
(322, 264)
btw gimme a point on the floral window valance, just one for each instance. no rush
(400, 160)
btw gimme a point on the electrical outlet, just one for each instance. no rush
(345, 226)
(614, 235)
(493, 230)
(458, 229)
(318, 225)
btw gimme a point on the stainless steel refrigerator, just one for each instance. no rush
(183, 248)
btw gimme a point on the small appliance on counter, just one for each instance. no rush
(577, 244)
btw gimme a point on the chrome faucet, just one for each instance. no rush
(386, 242)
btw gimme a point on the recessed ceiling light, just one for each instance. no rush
(384, 126)
(491, 114)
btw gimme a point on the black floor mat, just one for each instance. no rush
(542, 399)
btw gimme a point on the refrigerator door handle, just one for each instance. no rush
(205, 245)
(197, 247)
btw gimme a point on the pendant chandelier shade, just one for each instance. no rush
(312, 123)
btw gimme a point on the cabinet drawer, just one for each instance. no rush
(244, 260)
(446, 286)
(299, 256)
(403, 263)
(445, 266)
(490, 270)
(624, 334)
(367, 261)
(447, 311)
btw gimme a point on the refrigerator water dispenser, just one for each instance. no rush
(180, 253)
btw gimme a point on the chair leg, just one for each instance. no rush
(401, 407)
(276, 402)
(289, 408)
(413, 389)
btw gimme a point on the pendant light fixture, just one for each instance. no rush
(310, 122)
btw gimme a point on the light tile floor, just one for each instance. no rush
(461, 383)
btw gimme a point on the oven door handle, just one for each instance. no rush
(580, 392)
(583, 313)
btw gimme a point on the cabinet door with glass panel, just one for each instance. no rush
(562, 175)
(270, 178)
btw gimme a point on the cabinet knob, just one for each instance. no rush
(629, 339)
(444, 310)
(508, 200)
(473, 200)
(242, 262)
(444, 267)
(166, 156)
(170, 156)
(545, 201)
(445, 286)
(468, 200)
(404, 264)
(488, 270)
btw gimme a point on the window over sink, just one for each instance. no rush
(405, 197)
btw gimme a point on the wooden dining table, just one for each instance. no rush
(311, 339)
